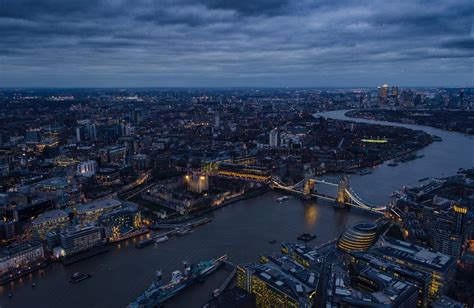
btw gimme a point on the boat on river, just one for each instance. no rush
(184, 230)
(281, 199)
(161, 239)
(158, 292)
(78, 277)
(145, 242)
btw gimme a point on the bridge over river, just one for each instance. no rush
(346, 196)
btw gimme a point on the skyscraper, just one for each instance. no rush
(273, 142)
(217, 120)
(394, 91)
(33, 136)
(383, 91)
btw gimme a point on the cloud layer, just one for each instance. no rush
(236, 43)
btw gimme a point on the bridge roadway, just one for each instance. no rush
(354, 199)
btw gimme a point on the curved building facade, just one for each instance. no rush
(358, 237)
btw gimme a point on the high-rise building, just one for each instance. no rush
(446, 228)
(86, 132)
(394, 91)
(273, 139)
(87, 168)
(91, 131)
(79, 134)
(217, 120)
(417, 100)
(33, 136)
(383, 91)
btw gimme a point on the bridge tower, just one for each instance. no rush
(309, 182)
(342, 195)
(308, 189)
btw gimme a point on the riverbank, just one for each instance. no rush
(9, 277)
(449, 120)
(440, 159)
(242, 230)
(225, 203)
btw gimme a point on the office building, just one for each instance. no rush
(87, 132)
(394, 92)
(141, 162)
(90, 212)
(383, 91)
(273, 138)
(303, 254)
(107, 176)
(20, 256)
(278, 282)
(48, 221)
(121, 222)
(217, 120)
(113, 155)
(446, 302)
(87, 168)
(79, 239)
(360, 236)
(421, 280)
(33, 136)
(365, 286)
(440, 266)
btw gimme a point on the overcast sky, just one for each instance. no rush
(208, 43)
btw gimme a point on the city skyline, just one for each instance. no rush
(244, 44)
(270, 195)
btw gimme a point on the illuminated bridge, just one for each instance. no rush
(345, 194)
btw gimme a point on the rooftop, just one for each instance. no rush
(49, 215)
(98, 205)
(416, 254)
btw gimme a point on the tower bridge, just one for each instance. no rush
(346, 196)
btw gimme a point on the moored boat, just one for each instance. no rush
(145, 242)
(157, 292)
(161, 239)
(183, 231)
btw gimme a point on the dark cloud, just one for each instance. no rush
(465, 43)
(225, 42)
(258, 8)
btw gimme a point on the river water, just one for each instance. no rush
(242, 230)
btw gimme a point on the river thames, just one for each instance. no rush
(241, 230)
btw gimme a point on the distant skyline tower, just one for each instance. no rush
(33, 136)
(273, 141)
(79, 134)
(394, 91)
(217, 119)
(383, 91)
